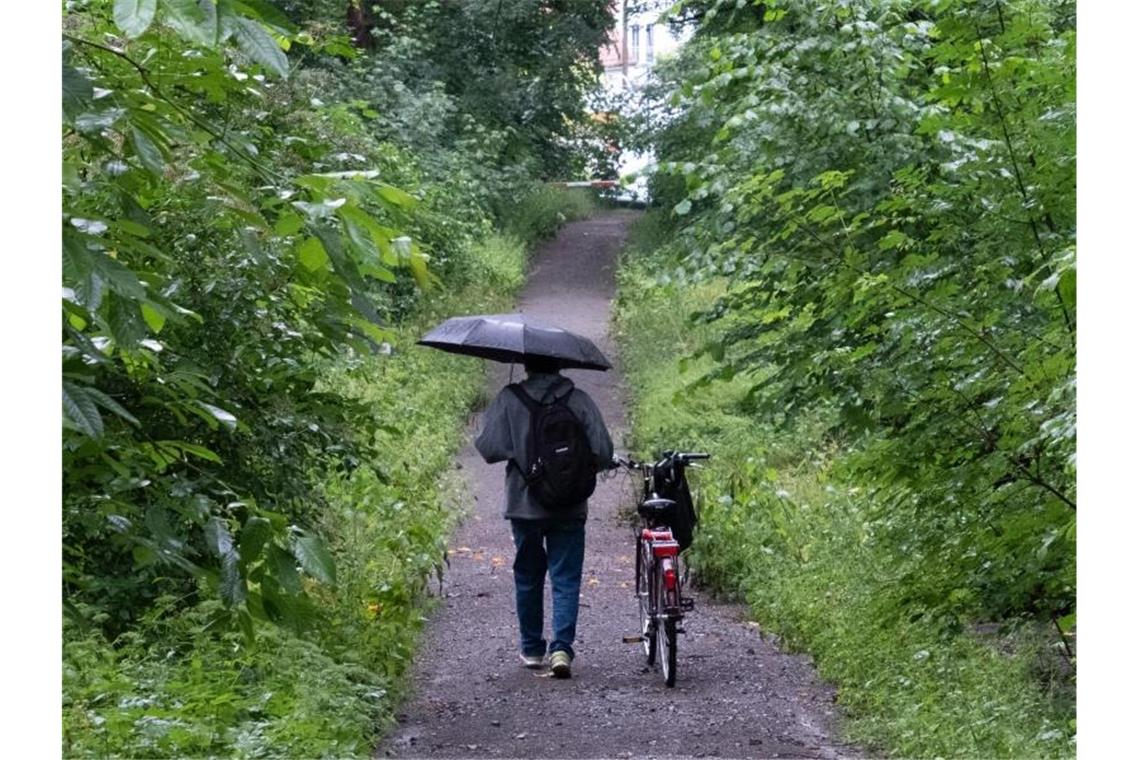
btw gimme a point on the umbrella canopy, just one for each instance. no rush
(512, 338)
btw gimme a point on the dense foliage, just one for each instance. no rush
(212, 252)
(889, 188)
(880, 199)
(258, 219)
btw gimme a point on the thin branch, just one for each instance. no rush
(1041, 482)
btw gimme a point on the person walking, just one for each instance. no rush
(554, 441)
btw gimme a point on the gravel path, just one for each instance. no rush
(737, 695)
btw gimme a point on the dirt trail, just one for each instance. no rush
(736, 694)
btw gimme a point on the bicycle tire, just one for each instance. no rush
(668, 641)
(644, 606)
(669, 653)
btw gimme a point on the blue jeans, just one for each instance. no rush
(564, 550)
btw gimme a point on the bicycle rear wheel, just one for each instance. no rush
(646, 603)
(669, 653)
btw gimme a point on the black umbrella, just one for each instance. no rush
(512, 338)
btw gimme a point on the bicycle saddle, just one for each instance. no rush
(657, 507)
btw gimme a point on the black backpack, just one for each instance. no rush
(560, 470)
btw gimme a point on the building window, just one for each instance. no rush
(649, 43)
(634, 43)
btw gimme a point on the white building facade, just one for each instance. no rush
(640, 37)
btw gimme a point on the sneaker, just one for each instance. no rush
(560, 664)
(532, 661)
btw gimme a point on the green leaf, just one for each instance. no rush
(283, 567)
(418, 264)
(375, 333)
(361, 240)
(382, 236)
(292, 610)
(94, 122)
(232, 587)
(79, 407)
(1067, 288)
(315, 559)
(229, 422)
(245, 623)
(154, 319)
(148, 152)
(683, 207)
(130, 228)
(258, 45)
(199, 451)
(218, 538)
(195, 21)
(378, 272)
(108, 403)
(267, 14)
(288, 224)
(395, 196)
(125, 321)
(312, 254)
(134, 16)
(119, 278)
(255, 534)
(77, 92)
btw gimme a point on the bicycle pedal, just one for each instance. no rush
(687, 604)
(632, 639)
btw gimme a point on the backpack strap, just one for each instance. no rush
(532, 408)
(523, 396)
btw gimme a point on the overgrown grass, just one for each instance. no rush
(544, 209)
(783, 531)
(181, 686)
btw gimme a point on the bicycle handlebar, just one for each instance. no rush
(666, 458)
(692, 456)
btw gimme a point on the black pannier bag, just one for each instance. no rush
(683, 521)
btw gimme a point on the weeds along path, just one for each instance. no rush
(736, 694)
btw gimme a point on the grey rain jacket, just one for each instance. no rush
(506, 427)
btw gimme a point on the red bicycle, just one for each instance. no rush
(667, 521)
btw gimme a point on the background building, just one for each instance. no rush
(639, 38)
